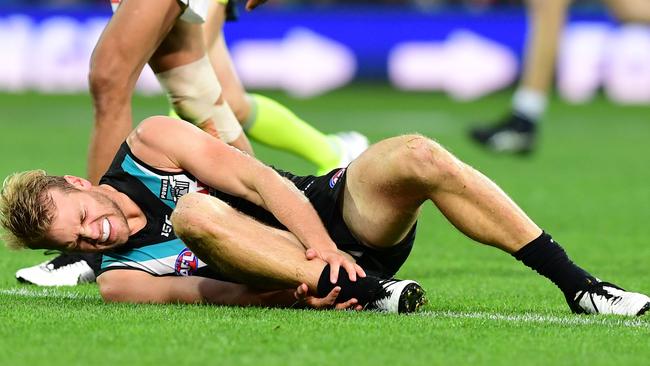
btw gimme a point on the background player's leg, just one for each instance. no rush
(517, 133)
(267, 121)
(630, 10)
(386, 186)
(116, 64)
(184, 71)
(546, 22)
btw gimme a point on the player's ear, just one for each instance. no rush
(78, 182)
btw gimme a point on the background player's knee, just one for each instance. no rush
(108, 82)
(195, 93)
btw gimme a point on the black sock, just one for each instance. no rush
(551, 261)
(364, 289)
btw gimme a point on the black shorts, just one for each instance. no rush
(326, 195)
(232, 13)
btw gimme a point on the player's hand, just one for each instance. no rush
(336, 260)
(302, 295)
(252, 4)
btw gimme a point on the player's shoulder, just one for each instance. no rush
(157, 138)
(158, 126)
(157, 130)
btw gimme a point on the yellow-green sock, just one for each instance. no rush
(172, 114)
(274, 125)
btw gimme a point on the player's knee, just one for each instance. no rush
(105, 78)
(198, 216)
(183, 217)
(423, 158)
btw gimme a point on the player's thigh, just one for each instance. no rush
(380, 203)
(134, 32)
(182, 45)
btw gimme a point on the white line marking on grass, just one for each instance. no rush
(44, 293)
(540, 319)
(508, 318)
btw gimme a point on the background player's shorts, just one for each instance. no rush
(232, 13)
(194, 11)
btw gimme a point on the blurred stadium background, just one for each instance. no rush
(466, 49)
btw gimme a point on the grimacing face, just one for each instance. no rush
(85, 221)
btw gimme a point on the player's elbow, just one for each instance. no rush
(110, 289)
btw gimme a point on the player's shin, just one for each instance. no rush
(195, 93)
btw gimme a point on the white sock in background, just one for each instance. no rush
(530, 104)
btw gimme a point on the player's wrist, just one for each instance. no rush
(325, 248)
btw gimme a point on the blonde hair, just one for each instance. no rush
(26, 207)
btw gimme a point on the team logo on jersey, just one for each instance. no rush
(172, 188)
(335, 178)
(186, 263)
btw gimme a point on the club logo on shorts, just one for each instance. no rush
(335, 178)
(186, 263)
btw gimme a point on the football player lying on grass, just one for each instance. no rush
(177, 202)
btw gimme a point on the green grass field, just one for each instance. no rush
(587, 185)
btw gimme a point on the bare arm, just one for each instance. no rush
(172, 145)
(139, 287)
